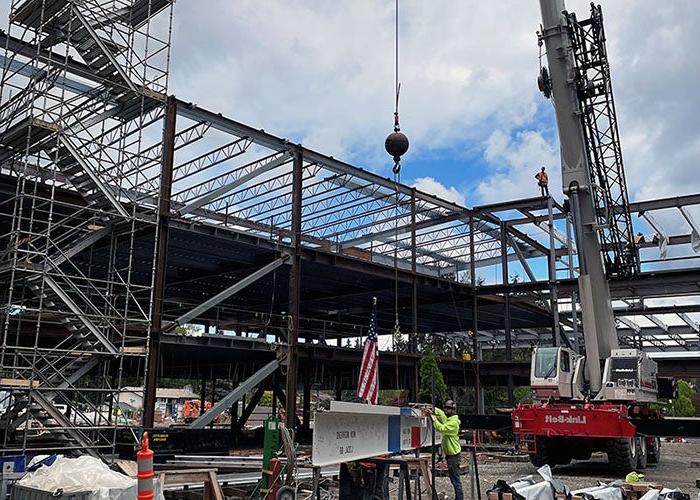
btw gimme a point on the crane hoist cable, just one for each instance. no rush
(396, 143)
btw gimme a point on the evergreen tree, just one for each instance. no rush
(682, 406)
(429, 369)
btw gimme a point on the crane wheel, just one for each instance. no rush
(654, 450)
(622, 454)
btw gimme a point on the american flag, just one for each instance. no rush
(368, 387)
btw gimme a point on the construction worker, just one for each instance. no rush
(447, 422)
(543, 182)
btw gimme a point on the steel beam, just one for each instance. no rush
(225, 294)
(689, 321)
(405, 228)
(63, 295)
(227, 401)
(93, 176)
(674, 202)
(695, 229)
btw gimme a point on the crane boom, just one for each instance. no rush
(600, 335)
(580, 409)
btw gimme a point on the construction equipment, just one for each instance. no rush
(191, 409)
(582, 407)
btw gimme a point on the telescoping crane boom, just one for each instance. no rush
(585, 401)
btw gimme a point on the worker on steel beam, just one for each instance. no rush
(543, 182)
(447, 422)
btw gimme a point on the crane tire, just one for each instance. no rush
(622, 454)
(654, 450)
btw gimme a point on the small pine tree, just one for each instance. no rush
(682, 406)
(429, 369)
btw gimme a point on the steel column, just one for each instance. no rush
(294, 290)
(475, 317)
(166, 184)
(506, 312)
(412, 339)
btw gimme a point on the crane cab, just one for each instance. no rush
(553, 373)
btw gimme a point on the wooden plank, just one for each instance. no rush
(215, 487)
(134, 349)
(18, 382)
(186, 476)
(128, 467)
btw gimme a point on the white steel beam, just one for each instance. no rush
(690, 322)
(358, 431)
(695, 229)
(660, 233)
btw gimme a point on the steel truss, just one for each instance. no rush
(83, 85)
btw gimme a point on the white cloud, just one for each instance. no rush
(322, 73)
(431, 186)
(514, 162)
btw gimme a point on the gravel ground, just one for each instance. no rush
(674, 471)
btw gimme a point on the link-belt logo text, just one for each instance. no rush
(561, 419)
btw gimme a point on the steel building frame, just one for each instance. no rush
(105, 182)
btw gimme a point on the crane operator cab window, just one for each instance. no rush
(546, 362)
(552, 373)
(564, 362)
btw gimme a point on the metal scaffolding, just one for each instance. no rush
(83, 89)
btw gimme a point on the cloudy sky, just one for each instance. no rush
(321, 73)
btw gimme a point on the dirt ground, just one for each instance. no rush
(674, 471)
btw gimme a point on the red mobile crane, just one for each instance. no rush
(586, 402)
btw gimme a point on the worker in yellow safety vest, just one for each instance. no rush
(447, 422)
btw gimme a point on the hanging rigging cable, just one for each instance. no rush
(396, 143)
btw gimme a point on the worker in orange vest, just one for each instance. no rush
(543, 182)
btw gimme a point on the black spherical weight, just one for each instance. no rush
(396, 144)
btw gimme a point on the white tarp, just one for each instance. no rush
(544, 490)
(74, 475)
(602, 492)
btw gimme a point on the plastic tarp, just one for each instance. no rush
(75, 475)
(543, 490)
(612, 491)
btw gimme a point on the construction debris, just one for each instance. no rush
(84, 477)
(546, 487)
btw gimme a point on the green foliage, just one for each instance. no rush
(266, 399)
(186, 329)
(523, 394)
(683, 406)
(428, 370)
